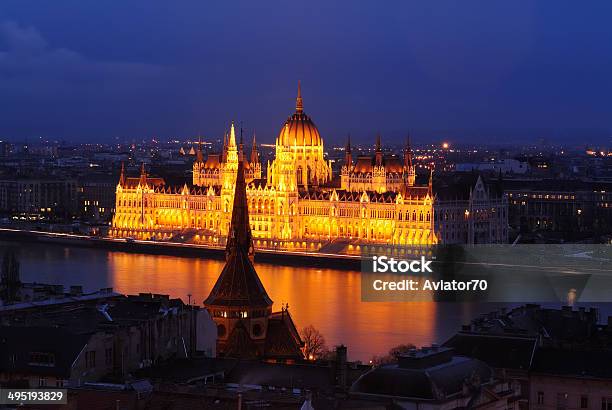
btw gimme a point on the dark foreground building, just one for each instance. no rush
(557, 358)
(72, 341)
(433, 378)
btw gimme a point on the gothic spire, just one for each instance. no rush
(408, 153)
(299, 106)
(232, 137)
(238, 285)
(200, 155)
(224, 152)
(254, 152)
(143, 175)
(378, 151)
(122, 175)
(239, 236)
(348, 153)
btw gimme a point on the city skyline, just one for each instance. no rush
(540, 72)
(314, 205)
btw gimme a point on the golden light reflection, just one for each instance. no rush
(330, 300)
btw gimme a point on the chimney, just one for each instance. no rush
(341, 370)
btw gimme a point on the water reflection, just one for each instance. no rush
(328, 299)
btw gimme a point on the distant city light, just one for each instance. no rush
(445, 145)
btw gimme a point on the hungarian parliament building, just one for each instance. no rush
(295, 205)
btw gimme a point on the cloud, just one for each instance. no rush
(26, 55)
(21, 38)
(58, 91)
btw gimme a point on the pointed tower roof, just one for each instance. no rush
(299, 105)
(379, 155)
(224, 152)
(241, 145)
(254, 152)
(238, 284)
(122, 176)
(348, 157)
(408, 153)
(143, 175)
(232, 137)
(200, 155)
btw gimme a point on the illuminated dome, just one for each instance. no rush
(299, 130)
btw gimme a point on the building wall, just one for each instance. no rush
(549, 392)
(38, 196)
(482, 218)
(275, 216)
(560, 210)
(97, 200)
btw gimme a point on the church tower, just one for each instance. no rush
(239, 303)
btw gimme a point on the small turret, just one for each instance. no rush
(231, 143)
(254, 152)
(122, 175)
(224, 153)
(348, 156)
(199, 154)
(143, 175)
(379, 155)
(409, 169)
(299, 105)
(241, 147)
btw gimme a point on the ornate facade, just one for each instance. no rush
(295, 206)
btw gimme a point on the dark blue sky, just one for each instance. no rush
(461, 70)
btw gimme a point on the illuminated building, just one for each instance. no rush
(295, 206)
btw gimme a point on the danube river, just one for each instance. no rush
(328, 299)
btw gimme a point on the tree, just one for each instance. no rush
(9, 277)
(314, 343)
(391, 356)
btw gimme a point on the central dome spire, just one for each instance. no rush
(299, 106)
